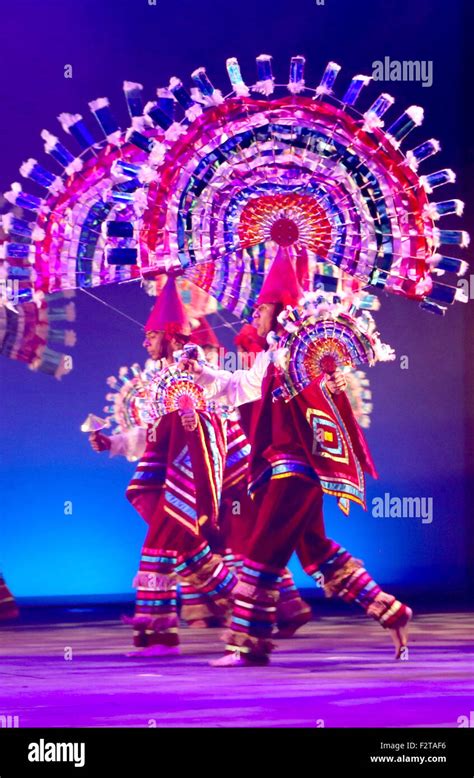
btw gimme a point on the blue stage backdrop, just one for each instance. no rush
(66, 528)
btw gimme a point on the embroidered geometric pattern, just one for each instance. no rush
(341, 487)
(328, 441)
(150, 473)
(238, 451)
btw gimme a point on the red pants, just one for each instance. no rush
(171, 551)
(237, 519)
(289, 518)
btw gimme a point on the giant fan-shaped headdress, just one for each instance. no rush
(211, 185)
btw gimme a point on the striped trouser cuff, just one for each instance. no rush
(255, 606)
(207, 572)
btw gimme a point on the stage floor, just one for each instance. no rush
(337, 672)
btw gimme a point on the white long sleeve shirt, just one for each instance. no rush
(232, 389)
(130, 444)
(236, 388)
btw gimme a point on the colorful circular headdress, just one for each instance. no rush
(215, 190)
(174, 390)
(321, 336)
(359, 395)
(128, 401)
(31, 332)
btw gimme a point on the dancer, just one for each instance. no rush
(176, 489)
(288, 476)
(197, 609)
(292, 611)
(236, 510)
(237, 513)
(8, 609)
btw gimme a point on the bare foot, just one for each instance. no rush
(399, 636)
(236, 659)
(156, 650)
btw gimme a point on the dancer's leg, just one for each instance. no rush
(282, 512)
(292, 610)
(207, 572)
(341, 575)
(197, 610)
(155, 620)
(240, 517)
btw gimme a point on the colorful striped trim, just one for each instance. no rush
(341, 487)
(283, 467)
(185, 566)
(336, 560)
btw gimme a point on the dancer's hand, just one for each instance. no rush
(337, 383)
(191, 366)
(189, 419)
(99, 441)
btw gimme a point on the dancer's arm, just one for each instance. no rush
(236, 388)
(129, 444)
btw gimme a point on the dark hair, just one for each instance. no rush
(278, 309)
(179, 336)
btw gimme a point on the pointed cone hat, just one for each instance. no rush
(281, 284)
(204, 335)
(168, 314)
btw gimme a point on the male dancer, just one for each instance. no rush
(292, 611)
(197, 609)
(176, 489)
(237, 513)
(300, 450)
(236, 510)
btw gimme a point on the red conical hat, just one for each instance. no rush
(204, 335)
(168, 314)
(281, 284)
